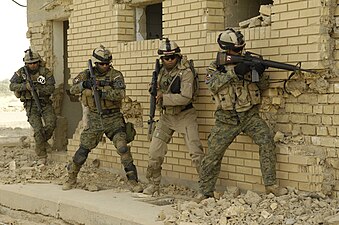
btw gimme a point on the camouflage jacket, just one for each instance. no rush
(176, 94)
(232, 93)
(111, 86)
(43, 81)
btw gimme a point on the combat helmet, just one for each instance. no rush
(231, 40)
(31, 57)
(168, 47)
(101, 55)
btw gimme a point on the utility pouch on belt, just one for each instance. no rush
(130, 132)
(254, 93)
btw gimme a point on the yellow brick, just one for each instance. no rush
(253, 179)
(179, 168)
(237, 177)
(288, 167)
(236, 161)
(243, 170)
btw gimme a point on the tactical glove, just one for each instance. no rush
(260, 68)
(26, 87)
(87, 84)
(242, 69)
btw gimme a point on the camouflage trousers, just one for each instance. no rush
(228, 125)
(113, 126)
(42, 132)
(185, 123)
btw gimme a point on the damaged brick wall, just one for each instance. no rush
(305, 116)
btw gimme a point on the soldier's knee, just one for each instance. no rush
(123, 149)
(81, 155)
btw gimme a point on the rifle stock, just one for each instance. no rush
(94, 88)
(251, 59)
(153, 95)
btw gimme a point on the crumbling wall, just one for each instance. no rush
(303, 112)
(40, 32)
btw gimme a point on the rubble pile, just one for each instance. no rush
(17, 165)
(250, 208)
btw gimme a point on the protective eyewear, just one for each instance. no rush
(168, 57)
(103, 64)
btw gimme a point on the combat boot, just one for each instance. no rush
(41, 161)
(276, 190)
(73, 170)
(200, 196)
(153, 188)
(135, 186)
(132, 179)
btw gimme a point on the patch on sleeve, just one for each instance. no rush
(208, 77)
(76, 80)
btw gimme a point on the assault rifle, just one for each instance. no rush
(94, 88)
(252, 59)
(153, 92)
(34, 93)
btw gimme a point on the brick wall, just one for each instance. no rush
(307, 120)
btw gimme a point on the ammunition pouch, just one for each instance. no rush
(87, 98)
(254, 93)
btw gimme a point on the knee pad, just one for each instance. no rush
(123, 149)
(80, 156)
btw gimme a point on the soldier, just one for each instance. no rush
(111, 89)
(39, 111)
(237, 100)
(175, 94)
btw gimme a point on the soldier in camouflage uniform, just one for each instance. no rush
(43, 122)
(237, 99)
(175, 94)
(111, 88)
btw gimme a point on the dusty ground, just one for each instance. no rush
(17, 165)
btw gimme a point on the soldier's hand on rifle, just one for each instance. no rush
(87, 84)
(28, 87)
(260, 68)
(159, 97)
(241, 69)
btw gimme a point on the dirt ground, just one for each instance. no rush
(234, 206)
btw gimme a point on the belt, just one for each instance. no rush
(108, 111)
(189, 106)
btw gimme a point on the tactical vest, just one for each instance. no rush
(240, 96)
(26, 95)
(87, 96)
